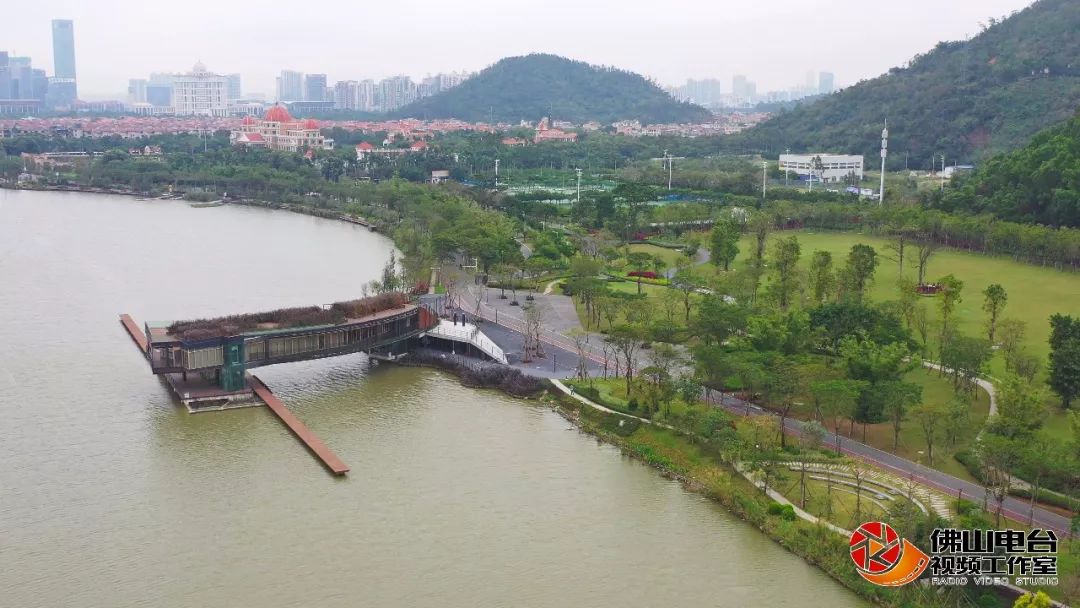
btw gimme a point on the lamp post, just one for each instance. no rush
(764, 176)
(786, 169)
(496, 174)
(884, 153)
(578, 185)
(943, 172)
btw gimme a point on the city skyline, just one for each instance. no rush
(684, 41)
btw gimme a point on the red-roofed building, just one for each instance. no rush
(278, 130)
(514, 141)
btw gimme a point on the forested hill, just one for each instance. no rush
(1038, 183)
(966, 99)
(534, 86)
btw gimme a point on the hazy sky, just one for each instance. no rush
(774, 42)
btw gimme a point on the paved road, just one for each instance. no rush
(1013, 508)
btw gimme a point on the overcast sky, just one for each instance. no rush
(774, 42)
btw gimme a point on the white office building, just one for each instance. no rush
(836, 167)
(200, 93)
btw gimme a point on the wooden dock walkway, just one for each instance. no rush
(313, 443)
(135, 332)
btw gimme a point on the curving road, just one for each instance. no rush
(1013, 508)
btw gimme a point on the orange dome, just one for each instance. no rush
(278, 114)
(311, 124)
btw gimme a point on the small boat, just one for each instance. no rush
(216, 203)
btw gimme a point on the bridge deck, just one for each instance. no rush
(313, 443)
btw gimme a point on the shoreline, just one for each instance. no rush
(724, 490)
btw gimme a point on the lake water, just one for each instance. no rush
(112, 495)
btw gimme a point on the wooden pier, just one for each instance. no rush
(136, 334)
(313, 443)
(253, 385)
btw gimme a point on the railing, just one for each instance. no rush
(470, 334)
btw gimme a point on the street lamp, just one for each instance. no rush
(884, 153)
(786, 169)
(764, 176)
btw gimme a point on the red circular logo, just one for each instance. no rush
(875, 547)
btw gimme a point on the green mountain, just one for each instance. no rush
(534, 86)
(1038, 183)
(967, 99)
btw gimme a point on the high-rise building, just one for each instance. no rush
(315, 87)
(200, 93)
(235, 86)
(39, 85)
(63, 39)
(365, 95)
(393, 93)
(290, 86)
(345, 95)
(22, 78)
(5, 76)
(742, 89)
(159, 90)
(137, 90)
(826, 83)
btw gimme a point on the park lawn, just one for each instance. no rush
(843, 500)
(936, 389)
(1035, 292)
(670, 256)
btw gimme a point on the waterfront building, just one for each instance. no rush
(200, 93)
(278, 130)
(837, 167)
(63, 39)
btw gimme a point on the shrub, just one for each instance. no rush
(645, 274)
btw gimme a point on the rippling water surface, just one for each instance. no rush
(111, 495)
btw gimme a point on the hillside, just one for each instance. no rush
(534, 86)
(1038, 183)
(968, 99)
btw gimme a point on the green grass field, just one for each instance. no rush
(1035, 292)
(670, 256)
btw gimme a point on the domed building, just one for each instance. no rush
(278, 130)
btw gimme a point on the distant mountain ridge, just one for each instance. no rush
(532, 86)
(966, 99)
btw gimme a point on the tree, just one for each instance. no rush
(1021, 408)
(927, 247)
(1034, 600)
(950, 296)
(786, 255)
(1010, 333)
(994, 302)
(930, 417)
(822, 280)
(639, 261)
(998, 456)
(897, 398)
(1065, 358)
(956, 420)
(626, 339)
(907, 300)
(581, 338)
(859, 271)
(687, 281)
(836, 399)
(781, 387)
(966, 359)
(717, 319)
(724, 242)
